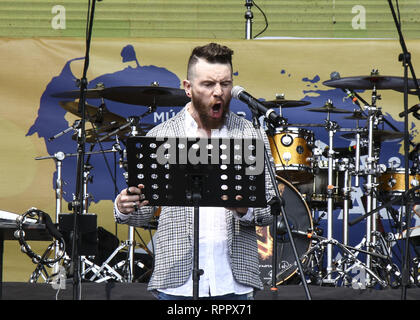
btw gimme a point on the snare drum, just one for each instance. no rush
(292, 152)
(392, 181)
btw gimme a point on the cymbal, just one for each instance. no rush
(329, 108)
(75, 94)
(357, 115)
(136, 95)
(93, 113)
(369, 82)
(285, 103)
(378, 135)
(410, 90)
(147, 95)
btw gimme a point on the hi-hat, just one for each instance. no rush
(370, 82)
(147, 95)
(93, 113)
(378, 135)
(281, 103)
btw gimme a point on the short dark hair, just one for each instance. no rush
(212, 52)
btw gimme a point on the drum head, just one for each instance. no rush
(299, 217)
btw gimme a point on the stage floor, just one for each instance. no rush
(138, 291)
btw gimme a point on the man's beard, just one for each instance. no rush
(202, 110)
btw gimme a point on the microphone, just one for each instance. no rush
(350, 94)
(240, 94)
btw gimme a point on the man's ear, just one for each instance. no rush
(187, 87)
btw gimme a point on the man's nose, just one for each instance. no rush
(218, 90)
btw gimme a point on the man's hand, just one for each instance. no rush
(130, 199)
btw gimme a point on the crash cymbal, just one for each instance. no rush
(93, 113)
(369, 82)
(147, 95)
(284, 103)
(357, 115)
(378, 135)
(75, 94)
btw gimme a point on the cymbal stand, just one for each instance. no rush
(346, 191)
(134, 121)
(331, 126)
(357, 159)
(86, 179)
(370, 179)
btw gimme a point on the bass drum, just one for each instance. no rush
(299, 217)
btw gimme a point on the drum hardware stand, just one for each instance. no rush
(377, 209)
(344, 265)
(370, 176)
(248, 19)
(331, 126)
(58, 157)
(284, 219)
(106, 272)
(346, 199)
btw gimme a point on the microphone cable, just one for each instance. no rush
(265, 19)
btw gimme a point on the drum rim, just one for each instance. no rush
(290, 185)
(291, 130)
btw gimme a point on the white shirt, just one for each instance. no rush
(213, 246)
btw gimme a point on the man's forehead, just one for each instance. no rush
(215, 71)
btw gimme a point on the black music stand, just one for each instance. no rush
(198, 172)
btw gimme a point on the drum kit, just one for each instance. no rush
(107, 127)
(324, 180)
(311, 179)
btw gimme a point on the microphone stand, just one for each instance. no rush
(280, 201)
(77, 204)
(248, 19)
(405, 57)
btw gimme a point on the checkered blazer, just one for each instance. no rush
(174, 237)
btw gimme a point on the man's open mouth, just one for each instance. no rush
(216, 107)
